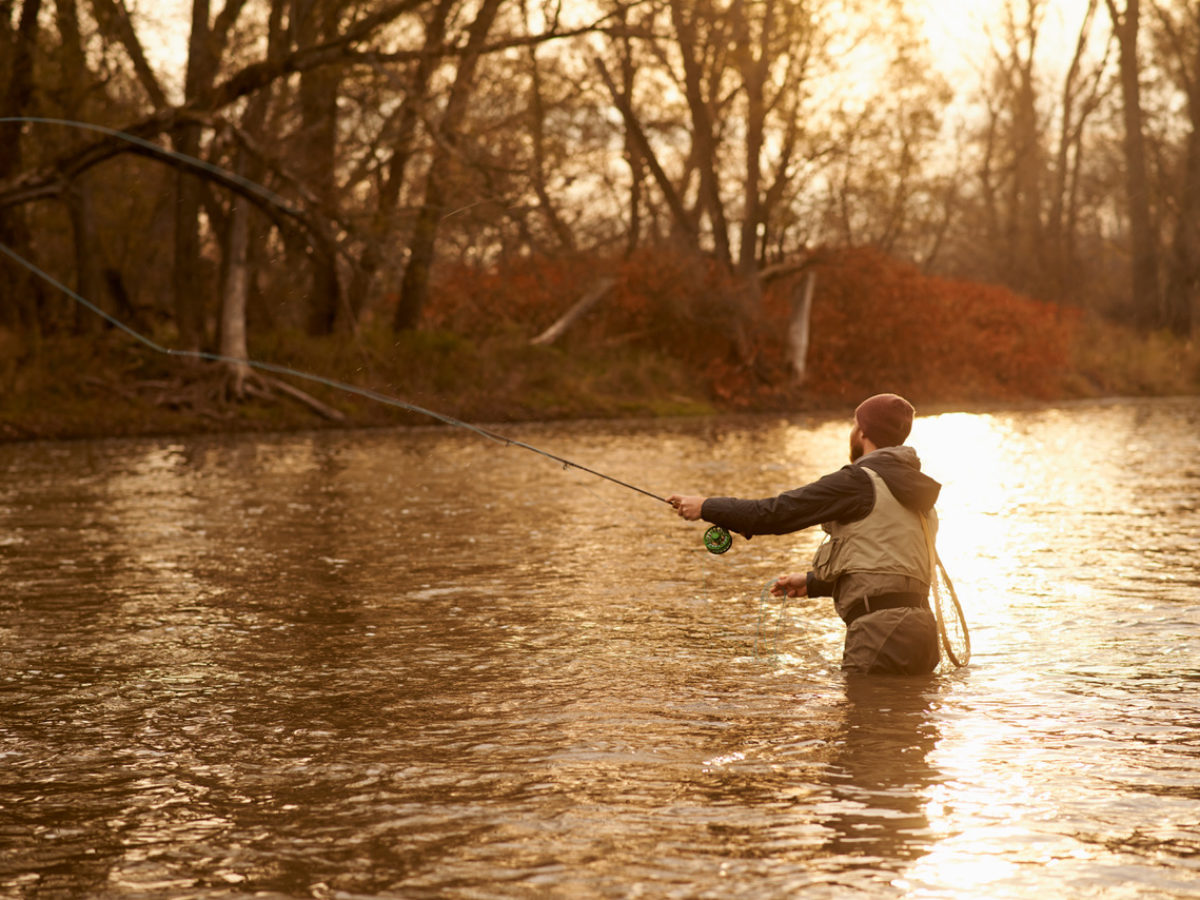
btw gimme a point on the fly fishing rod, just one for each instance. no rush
(716, 539)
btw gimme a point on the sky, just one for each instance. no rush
(957, 29)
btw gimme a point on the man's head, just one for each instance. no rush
(885, 420)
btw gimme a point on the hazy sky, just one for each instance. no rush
(957, 29)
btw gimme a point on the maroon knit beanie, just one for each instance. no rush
(885, 418)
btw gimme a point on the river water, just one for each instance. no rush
(416, 663)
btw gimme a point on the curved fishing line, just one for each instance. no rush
(268, 195)
(958, 647)
(772, 643)
(760, 635)
(241, 181)
(275, 369)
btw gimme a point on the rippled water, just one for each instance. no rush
(418, 664)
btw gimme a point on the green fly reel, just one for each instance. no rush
(717, 539)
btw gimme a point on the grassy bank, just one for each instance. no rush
(107, 385)
(673, 336)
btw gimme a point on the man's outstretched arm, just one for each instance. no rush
(845, 495)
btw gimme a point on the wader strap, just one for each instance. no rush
(893, 600)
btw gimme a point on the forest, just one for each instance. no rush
(517, 209)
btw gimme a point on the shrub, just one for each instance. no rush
(877, 324)
(880, 324)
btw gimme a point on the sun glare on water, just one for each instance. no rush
(968, 454)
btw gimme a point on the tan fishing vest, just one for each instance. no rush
(888, 541)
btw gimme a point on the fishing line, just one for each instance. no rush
(759, 635)
(956, 639)
(771, 642)
(716, 539)
(318, 379)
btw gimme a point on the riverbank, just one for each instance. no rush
(107, 385)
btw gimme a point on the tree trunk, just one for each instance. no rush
(404, 143)
(1183, 283)
(798, 332)
(16, 283)
(577, 311)
(113, 19)
(755, 67)
(205, 43)
(18, 95)
(704, 142)
(1022, 223)
(188, 278)
(1143, 246)
(1070, 146)
(89, 270)
(315, 23)
(75, 78)
(537, 131)
(633, 154)
(414, 288)
(1183, 272)
(634, 132)
(233, 300)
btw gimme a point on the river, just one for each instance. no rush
(418, 664)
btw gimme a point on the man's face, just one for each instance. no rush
(856, 444)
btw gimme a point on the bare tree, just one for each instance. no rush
(400, 138)
(17, 70)
(1083, 91)
(1179, 31)
(1032, 156)
(538, 174)
(188, 273)
(1144, 286)
(75, 78)
(313, 23)
(114, 20)
(244, 227)
(700, 33)
(414, 288)
(1014, 169)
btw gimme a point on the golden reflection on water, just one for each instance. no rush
(1028, 511)
(421, 664)
(971, 456)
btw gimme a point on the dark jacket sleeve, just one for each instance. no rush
(844, 496)
(819, 588)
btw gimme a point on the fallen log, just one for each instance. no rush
(576, 312)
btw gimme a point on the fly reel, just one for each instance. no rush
(717, 539)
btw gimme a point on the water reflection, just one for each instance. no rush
(416, 664)
(881, 773)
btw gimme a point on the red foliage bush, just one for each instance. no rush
(525, 292)
(880, 324)
(673, 302)
(877, 324)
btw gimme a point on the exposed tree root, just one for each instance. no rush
(212, 393)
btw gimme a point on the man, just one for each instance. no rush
(874, 561)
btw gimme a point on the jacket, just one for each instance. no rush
(842, 497)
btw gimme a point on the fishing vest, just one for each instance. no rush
(888, 541)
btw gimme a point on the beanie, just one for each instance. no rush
(885, 418)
